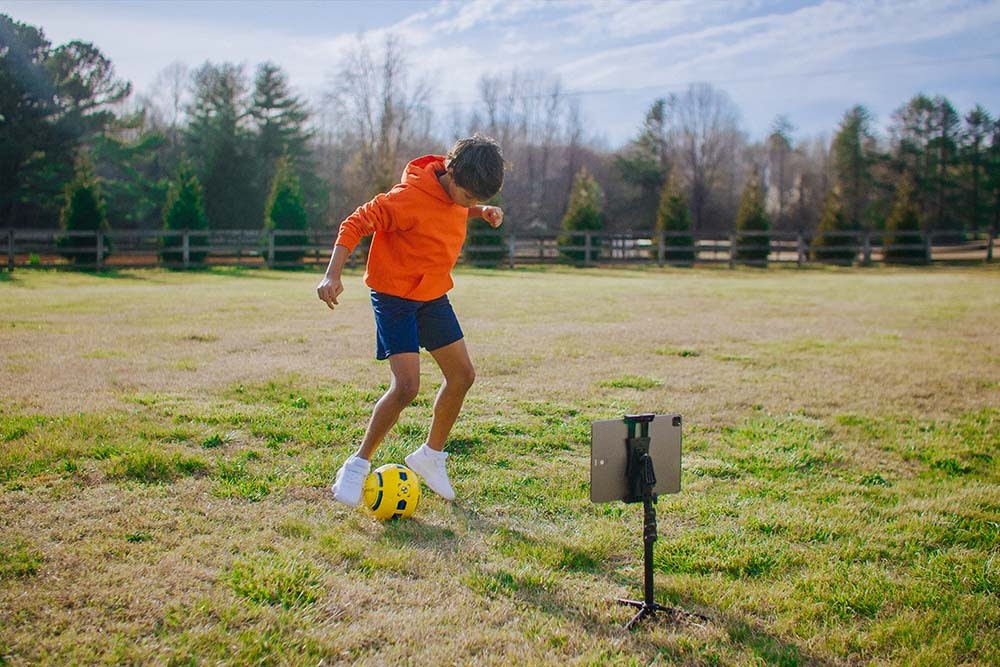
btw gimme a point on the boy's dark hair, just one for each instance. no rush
(477, 165)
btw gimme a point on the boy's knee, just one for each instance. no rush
(464, 378)
(404, 391)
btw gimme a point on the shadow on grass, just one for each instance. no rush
(258, 272)
(416, 534)
(124, 273)
(227, 271)
(133, 275)
(540, 587)
(146, 273)
(770, 649)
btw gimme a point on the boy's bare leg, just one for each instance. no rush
(458, 378)
(403, 388)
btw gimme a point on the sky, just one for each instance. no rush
(808, 60)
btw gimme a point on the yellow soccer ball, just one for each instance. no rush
(392, 491)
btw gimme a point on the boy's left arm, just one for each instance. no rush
(493, 215)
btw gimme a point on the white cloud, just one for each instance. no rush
(798, 54)
(831, 36)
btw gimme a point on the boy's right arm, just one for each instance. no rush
(364, 221)
(331, 285)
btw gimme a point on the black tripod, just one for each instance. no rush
(642, 479)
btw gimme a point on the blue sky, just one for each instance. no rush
(807, 60)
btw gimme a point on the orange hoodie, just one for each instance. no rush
(419, 232)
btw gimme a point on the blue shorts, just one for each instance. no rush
(404, 325)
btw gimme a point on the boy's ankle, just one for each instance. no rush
(430, 451)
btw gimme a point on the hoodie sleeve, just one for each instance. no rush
(376, 215)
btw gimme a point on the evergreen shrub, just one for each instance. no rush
(184, 210)
(84, 211)
(904, 241)
(285, 211)
(584, 213)
(752, 243)
(834, 242)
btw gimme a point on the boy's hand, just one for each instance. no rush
(493, 215)
(329, 289)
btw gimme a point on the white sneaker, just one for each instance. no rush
(350, 480)
(429, 464)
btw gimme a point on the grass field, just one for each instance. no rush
(167, 441)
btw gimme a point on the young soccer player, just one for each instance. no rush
(419, 227)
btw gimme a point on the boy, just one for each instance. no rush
(419, 228)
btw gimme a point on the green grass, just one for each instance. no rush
(165, 464)
(631, 381)
(19, 560)
(283, 580)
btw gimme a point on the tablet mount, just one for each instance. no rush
(641, 481)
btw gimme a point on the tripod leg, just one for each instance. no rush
(643, 612)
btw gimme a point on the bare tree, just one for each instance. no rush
(574, 143)
(379, 110)
(780, 176)
(525, 112)
(810, 184)
(499, 96)
(541, 104)
(169, 96)
(707, 140)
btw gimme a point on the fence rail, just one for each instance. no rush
(281, 249)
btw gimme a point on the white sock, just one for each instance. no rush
(355, 456)
(431, 452)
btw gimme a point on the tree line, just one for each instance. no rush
(221, 147)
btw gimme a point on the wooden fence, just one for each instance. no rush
(277, 249)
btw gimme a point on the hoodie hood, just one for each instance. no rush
(422, 173)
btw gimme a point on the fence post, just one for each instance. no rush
(801, 247)
(586, 248)
(100, 249)
(989, 247)
(732, 250)
(866, 257)
(511, 247)
(186, 249)
(661, 250)
(10, 250)
(270, 249)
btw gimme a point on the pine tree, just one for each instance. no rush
(584, 213)
(221, 147)
(130, 159)
(673, 218)
(853, 152)
(925, 134)
(84, 211)
(285, 211)
(184, 210)
(904, 241)
(644, 163)
(281, 122)
(752, 243)
(992, 176)
(835, 241)
(974, 159)
(52, 102)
